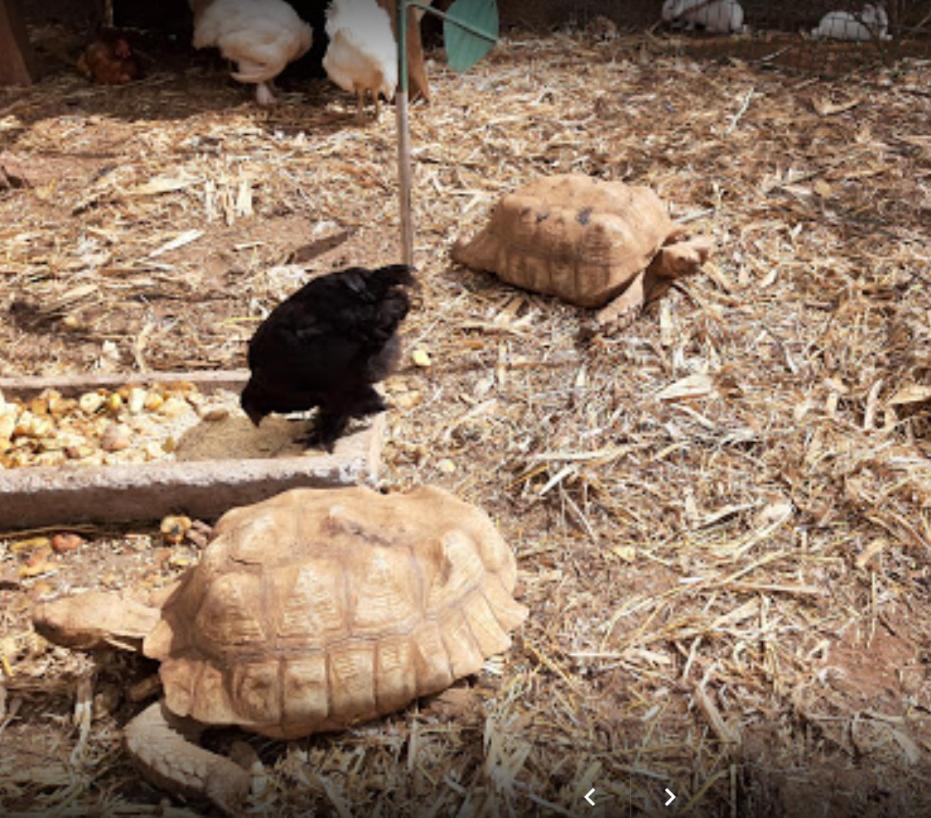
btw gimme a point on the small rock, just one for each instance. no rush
(212, 412)
(79, 452)
(421, 358)
(446, 466)
(137, 399)
(174, 527)
(66, 541)
(115, 438)
(90, 402)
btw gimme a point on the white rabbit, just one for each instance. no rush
(871, 23)
(718, 16)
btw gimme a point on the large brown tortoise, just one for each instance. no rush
(590, 242)
(311, 611)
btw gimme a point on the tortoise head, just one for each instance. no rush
(95, 620)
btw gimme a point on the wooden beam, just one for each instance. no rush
(17, 62)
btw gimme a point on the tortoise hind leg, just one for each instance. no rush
(162, 747)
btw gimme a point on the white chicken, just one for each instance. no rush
(362, 54)
(261, 36)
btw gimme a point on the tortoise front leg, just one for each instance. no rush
(162, 746)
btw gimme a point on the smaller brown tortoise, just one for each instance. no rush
(590, 242)
(311, 611)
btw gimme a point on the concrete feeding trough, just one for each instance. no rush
(217, 479)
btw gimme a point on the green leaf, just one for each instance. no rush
(464, 48)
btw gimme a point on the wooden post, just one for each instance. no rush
(419, 87)
(17, 62)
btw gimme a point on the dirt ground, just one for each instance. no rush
(728, 576)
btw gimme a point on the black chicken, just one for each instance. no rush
(325, 346)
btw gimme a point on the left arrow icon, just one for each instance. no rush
(588, 797)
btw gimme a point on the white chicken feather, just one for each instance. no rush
(261, 36)
(362, 54)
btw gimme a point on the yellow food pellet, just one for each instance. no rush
(154, 401)
(421, 358)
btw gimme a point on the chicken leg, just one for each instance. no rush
(264, 94)
(334, 416)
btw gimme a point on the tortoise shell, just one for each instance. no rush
(317, 609)
(572, 236)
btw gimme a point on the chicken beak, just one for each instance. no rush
(255, 416)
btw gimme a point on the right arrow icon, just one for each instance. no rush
(672, 797)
